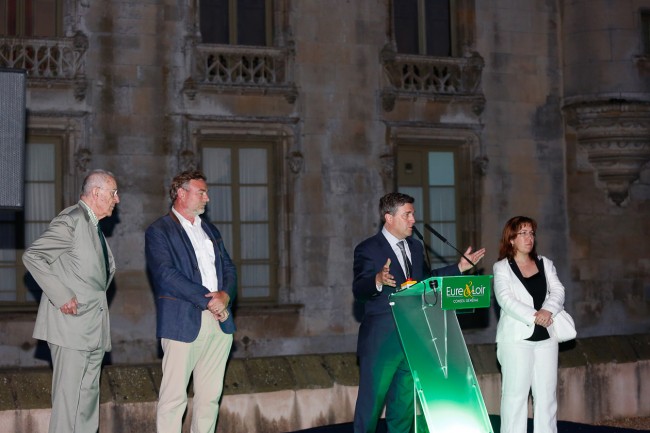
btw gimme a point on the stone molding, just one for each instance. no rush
(615, 134)
(71, 127)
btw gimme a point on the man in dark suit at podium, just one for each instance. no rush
(382, 263)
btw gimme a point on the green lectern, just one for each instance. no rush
(447, 393)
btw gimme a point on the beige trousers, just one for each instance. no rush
(205, 360)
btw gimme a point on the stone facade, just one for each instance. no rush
(546, 100)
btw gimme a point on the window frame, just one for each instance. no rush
(644, 19)
(468, 178)
(466, 143)
(233, 23)
(424, 217)
(423, 28)
(273, 177)
(22, 304)
(20, 24)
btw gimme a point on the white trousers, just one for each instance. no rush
(205, 358)
(526, 366)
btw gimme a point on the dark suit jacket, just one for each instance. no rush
(176, 278)
(377, 326)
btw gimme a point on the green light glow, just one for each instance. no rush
(448, 392)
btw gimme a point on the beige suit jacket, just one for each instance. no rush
(68, 261)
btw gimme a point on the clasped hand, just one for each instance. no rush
(218, 305)
(543, 318)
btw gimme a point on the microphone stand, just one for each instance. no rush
(444, 240)
(425, 303)
(426, 249)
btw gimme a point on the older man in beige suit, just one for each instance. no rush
(74, 266)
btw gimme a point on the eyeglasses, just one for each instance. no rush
(112, 191)
(526, 234)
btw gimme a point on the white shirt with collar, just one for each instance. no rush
(392, 240)
(204, 250)
(93, 217)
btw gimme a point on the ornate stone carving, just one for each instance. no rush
(615, 134)
(49, 63)
(387, 166)
(296, 161)
(83, 158)
(187, 160)
(436, 78)
(481, 164)
(240, 70)
(189, 88)
(388, 98)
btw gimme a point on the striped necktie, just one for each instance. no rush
(408, 268)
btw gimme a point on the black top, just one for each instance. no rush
(536, 286)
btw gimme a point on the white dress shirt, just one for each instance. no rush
(204, 250)
(392, 240)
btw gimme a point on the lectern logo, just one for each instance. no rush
(468, 291)
(469, 294)
(464, 292)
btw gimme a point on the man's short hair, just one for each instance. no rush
(95, 179)
(391, 202)
(182, 180)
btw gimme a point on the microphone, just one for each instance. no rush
(444, 240)
(426, 250)
(417, 233)
(424, 291)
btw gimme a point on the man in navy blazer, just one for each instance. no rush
(195, 282)
(380, 268)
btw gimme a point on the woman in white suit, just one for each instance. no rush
(529, 293)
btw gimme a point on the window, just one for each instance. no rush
(240, 180)
(439, 175)
(430, 176)
(236, 22)
(18, 229)
(423, 27)
(26, 18)
(645, 31)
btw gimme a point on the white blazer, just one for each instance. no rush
(517, 319)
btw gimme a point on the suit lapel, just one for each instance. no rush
(518, 285)
(180, 233)
(395, 267)
(97, 246)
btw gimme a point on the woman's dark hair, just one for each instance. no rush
(510, 231)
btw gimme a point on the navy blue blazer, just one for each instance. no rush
(176, 278)
(377, 325)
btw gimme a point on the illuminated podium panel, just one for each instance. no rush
(448, 396)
